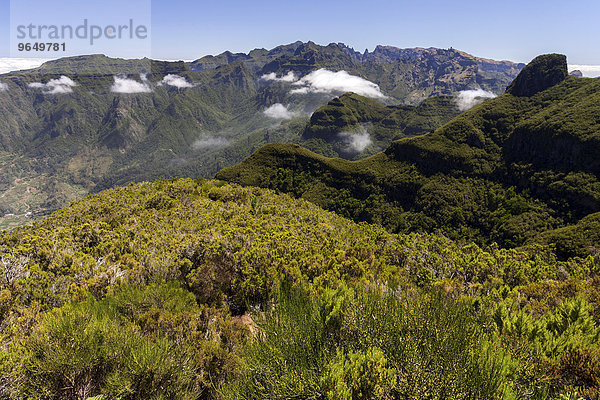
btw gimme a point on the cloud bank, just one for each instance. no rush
(356, 142)
(289, 77)
(61, 85)
(325, 81)
(209, 142)
(177, 81)
(588, 71)
(279, 111)
(126, 85)
(17, 64)
(470, 98)
(3, 87)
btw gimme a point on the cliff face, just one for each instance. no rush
(561, 136)
(434, 72)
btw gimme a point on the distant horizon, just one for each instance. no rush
(12, 64)
(251, 48)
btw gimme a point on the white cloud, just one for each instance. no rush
(279, 111)
(61, 85)
(177, 81)
(17, 64)
(125, 85)
(357, 141)
(3, 87)
(589, 71)
(289, 77)
(208, 142)
(470, 98)
(302, 90)
(325, 81)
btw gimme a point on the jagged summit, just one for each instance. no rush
(540, 74)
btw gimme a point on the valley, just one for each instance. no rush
(88, 123)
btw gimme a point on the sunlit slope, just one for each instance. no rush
(503, 171)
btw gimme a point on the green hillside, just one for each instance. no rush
(205, 290)
(503, 171)
(580, 238)
(332, 125)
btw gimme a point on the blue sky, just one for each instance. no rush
(513, 30)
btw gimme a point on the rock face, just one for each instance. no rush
(540, 74)
(409, 74)
(577, 73)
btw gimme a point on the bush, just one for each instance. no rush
(370, 344)
(359, 375)
(146, 343)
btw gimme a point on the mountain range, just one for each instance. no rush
(516, 169)
(81, 124)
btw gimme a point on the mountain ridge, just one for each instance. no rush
(504, 171)
(142, 127)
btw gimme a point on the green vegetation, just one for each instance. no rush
(575, 240)
(371, 345)
(505, 171)
(206, 290)
(152, 342)
(59, 147)
(351, 112)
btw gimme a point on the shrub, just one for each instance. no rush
(359, 376)
(356, 344)
(146, 343)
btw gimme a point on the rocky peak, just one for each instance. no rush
(540, 74)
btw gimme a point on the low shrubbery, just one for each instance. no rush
(144, 292)
(371, 344)
(150, 343)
